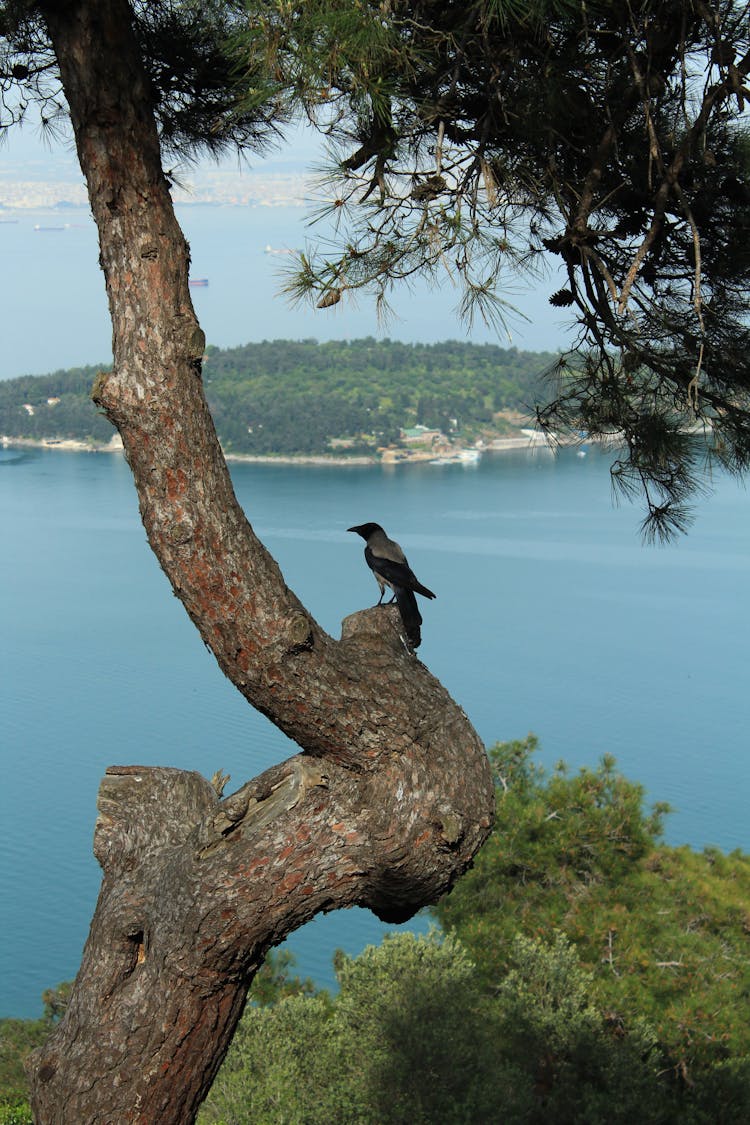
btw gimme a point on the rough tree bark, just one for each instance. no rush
(392, 795)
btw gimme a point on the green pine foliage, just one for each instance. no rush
(575, 1065)
(663, 931)
(495, 139)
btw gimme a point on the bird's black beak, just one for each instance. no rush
(357, 529)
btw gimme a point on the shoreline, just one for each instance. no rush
(114, 445)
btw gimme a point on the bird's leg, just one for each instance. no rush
(382, 594)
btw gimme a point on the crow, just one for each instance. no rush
(389, 565)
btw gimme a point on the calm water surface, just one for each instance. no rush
(550, 617)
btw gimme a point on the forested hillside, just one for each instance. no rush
(286, 396)
(56, 406)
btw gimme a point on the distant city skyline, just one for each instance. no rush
(39, 173)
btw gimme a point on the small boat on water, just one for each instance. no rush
(198, 282)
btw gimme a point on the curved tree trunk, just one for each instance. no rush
(392, 795)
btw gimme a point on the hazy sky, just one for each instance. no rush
(51, 289)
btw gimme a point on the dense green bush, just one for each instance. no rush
(412, 1038)
(16, 1114)
(403, 1041)
(662, 931)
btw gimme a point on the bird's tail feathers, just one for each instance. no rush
(420, 589)
(410, 615)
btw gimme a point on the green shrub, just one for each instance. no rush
(17, 1114)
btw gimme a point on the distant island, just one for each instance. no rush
(359, 400)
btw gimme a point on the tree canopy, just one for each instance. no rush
(602, 143)
(662, 930)
(186, 47)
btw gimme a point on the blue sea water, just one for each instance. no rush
(551, 617)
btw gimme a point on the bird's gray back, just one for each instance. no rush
(385, 548)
